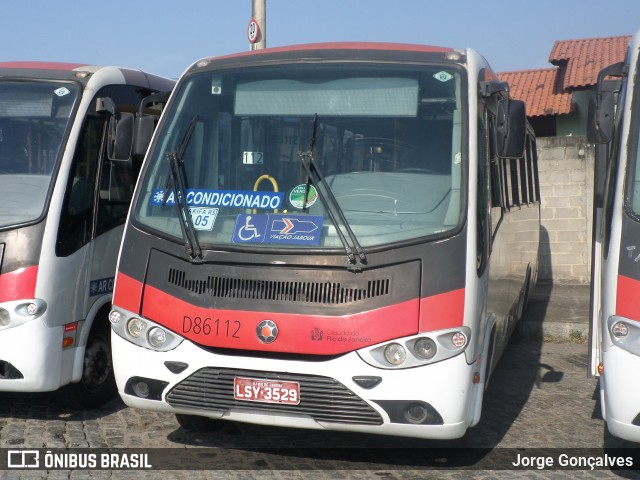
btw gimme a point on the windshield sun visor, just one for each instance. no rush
(345, 96)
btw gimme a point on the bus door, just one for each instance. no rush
(92, 218)
(601, 125)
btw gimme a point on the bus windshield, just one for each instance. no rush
(34, 117)
(387, 142)
(633, 182)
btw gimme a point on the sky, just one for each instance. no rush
(166, 36)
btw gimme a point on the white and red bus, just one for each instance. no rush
(332, 236)
(64, 196)
(615, 311)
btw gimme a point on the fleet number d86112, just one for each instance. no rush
(213, 327)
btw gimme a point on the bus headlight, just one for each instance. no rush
(115, 316)
(142, 332)
(136, 327)
(18, 312)
(31, 309)
(418, 350)
(5, 317)
(157, 337)
(395, 354)
(425, 348)
(619, 330)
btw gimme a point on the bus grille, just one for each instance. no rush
(333, 293)
(321, 398)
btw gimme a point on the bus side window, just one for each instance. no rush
(117, 179)
(75, 228)
(495, 178)
(484, 195)
(81, 219)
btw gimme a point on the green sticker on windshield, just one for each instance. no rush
(296, 197)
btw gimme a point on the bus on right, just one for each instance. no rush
(614, 126)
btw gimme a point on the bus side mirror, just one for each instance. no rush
(511, 128)
(143, 131)
(145, 123)
(119, 132)
(600, 117)
(120, 137)
(602, 104)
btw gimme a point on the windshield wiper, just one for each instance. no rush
(176, 180)
(329, 202)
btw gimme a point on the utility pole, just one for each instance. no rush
(257, 31)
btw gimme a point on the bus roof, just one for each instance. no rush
(21, 65)
(82, 73)
(352, 46)
(333, 51)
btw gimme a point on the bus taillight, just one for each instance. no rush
(69, 337)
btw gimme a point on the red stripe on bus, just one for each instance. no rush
(627, 295)
(302, 334)
(127, 293)
(445, 310)
(19, 284)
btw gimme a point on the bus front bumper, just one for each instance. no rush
(620, 393)
(31, 357)
(432, 401)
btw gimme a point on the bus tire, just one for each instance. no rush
(518, 335)
(98, 384)
(197, 423)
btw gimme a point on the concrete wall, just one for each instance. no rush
(565, 165)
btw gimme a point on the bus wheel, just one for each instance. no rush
(98, 383)
(196, 423)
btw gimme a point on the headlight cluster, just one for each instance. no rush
(142, 332)
(625, 333)
(18, 312)
(418, 350)
(5, 317)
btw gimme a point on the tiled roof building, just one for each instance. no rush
(581, 60)
(540, 89)
(563, 91)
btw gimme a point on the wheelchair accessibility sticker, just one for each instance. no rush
(271, 228)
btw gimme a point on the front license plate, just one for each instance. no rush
(266, 391)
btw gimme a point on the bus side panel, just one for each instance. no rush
(19, 258)
(444, 310)
(514, 257)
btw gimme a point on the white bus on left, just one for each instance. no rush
(64, 196)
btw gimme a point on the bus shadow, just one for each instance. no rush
(53, 406)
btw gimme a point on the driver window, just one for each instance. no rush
(93, 179)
